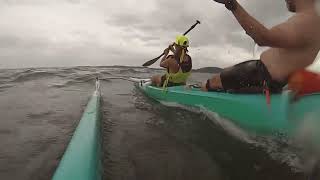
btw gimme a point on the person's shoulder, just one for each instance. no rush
(311, 21)
(304, 21)
(171, 57)
(308, 25)
(313, 17)
(306, 18)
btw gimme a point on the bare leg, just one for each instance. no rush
(156, 80)
(214, 83)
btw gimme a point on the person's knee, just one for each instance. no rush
(153, 78)
(212, 84)
(156, 80)
(204, 86)
(215, 81)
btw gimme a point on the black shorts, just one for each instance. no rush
(164, 78)
(249, 75)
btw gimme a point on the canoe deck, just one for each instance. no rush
(81, 160)
(247, 110)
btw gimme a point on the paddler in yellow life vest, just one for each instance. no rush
(178, 65)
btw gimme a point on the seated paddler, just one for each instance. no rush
(178, 64)
(293, 46)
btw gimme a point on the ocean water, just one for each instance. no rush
(142, 139)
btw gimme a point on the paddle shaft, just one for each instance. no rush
(192, 27)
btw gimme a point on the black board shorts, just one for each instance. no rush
(249, 76)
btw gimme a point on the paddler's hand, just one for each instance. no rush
(166, 51)
(230, 4)
(171, 48)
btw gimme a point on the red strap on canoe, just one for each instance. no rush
(304, 82)
(267, 92)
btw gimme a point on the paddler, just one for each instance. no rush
(178, 65)
(293, 44)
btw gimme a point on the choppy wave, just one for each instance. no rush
(129, 71)
(5, 86)
(279, 149)
(56, 106)
(31, 75)
(64, 76)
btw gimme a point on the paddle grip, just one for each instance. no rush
(193, 26)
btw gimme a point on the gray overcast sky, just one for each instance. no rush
(124, 32)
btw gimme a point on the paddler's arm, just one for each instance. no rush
(164, 62)
(165, 59)
(253, 28)
(285, 35)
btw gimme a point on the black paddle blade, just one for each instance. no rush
(152, 61)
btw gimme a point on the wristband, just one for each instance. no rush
(231, 5)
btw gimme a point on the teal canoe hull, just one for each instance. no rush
(81, 160)
(249, 111)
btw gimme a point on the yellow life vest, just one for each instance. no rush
(179, 77)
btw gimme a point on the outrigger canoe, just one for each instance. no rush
(249, 111)
(81, 160)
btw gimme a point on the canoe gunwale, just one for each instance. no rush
(281, 116)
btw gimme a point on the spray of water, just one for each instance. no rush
(279, 149)
(225, 124)
(307, 137)
(317, 5)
